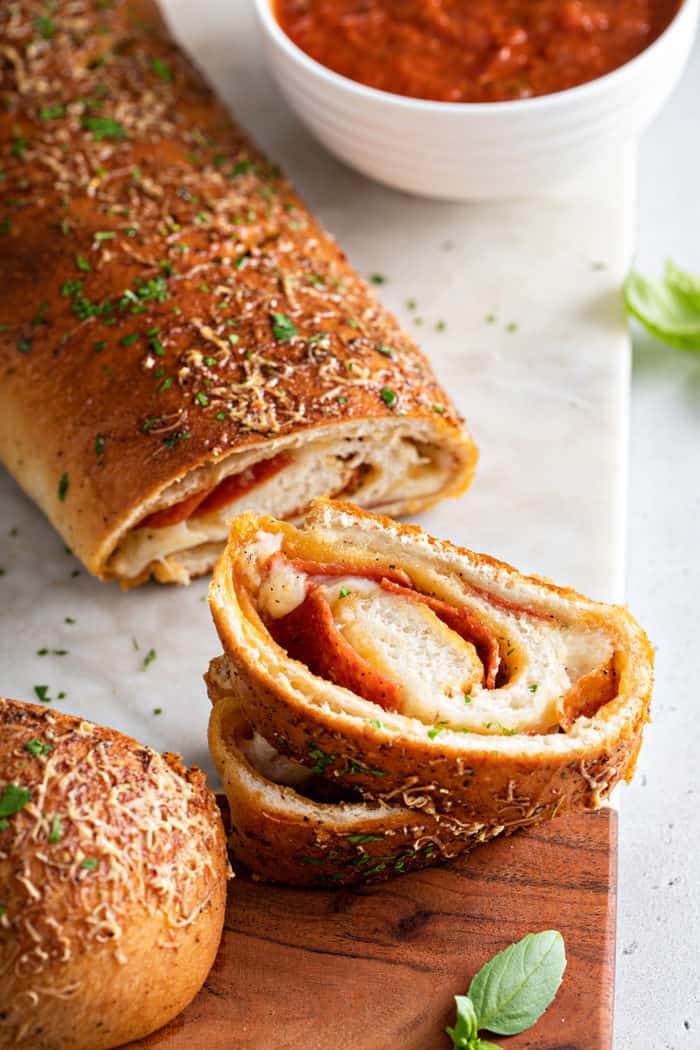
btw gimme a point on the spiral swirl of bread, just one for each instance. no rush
(425, 675)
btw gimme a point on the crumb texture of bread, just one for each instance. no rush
(113, 874)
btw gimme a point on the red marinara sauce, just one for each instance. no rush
(473, 50)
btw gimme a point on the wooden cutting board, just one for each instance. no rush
(376, 968)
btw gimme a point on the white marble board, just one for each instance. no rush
(544, 385)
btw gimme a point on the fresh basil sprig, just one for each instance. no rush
(669, 308)
(511, 992)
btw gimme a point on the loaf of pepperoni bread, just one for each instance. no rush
(414, 673)
(181, 340)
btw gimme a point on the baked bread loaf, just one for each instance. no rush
(426, 675)
(290, 825)
(181, 332)
(113, 876)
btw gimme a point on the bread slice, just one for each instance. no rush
(113, 874)
(547, 720)
(286, 827)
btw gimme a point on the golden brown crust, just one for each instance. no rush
(112, 883)
(282, 835)
(146, 247)
(489, 779)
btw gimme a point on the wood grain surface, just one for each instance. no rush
(376, 968)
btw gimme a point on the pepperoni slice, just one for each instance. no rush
(228, 489)
(321, 568)
(175, 514)
(309, 634)
(237, 485)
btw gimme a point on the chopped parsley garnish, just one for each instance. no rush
(105, 235)
(439, 728)
(467, 699)
(44, 26)
(344, 592)
(56, 830)
(233, 338)
(52, 112)
(63, 484)
(282, 328)
(388, 351)
(69, 619)
(90, 863)
(377, 278)
(202, 398)
(148, 659)
(242, 167)
(321, 760)
(157, 710)
(221, 415)
(99, 444)
(167, 382)
(40, 316)
(103, 128)
(14, 798)
(42, 693)
(359, 840)
(82, 263)
(37, 747)
(19, 144)
(161, 69)
(440, 409)
(342, 400)
(389, 396)
(99, 345)
(375, 723)
(440, 326)
(490, 318)
(533, 687)
(511, 327)
(128, 340)
(24, 345)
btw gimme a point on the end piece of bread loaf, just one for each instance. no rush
(113, 874)
(543, 715)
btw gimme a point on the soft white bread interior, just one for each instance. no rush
(421, 669)
(113, 873)
(289, 825)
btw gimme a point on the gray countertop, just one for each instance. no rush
(658, 974)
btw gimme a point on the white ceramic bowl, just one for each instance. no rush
(468, 151)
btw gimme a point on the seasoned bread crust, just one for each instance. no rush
(112, 884)
(282, 835)
(168, 301)
(496, 780)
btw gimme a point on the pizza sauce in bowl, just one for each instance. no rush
(473, 50)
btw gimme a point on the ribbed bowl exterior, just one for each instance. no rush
(486, 151)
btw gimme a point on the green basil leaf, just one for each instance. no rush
(670, 308)
(684, 282)
(466, 1026)
(484, 1044)
(514, 989)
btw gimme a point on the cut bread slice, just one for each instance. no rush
(287, 827)
(426, 672)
